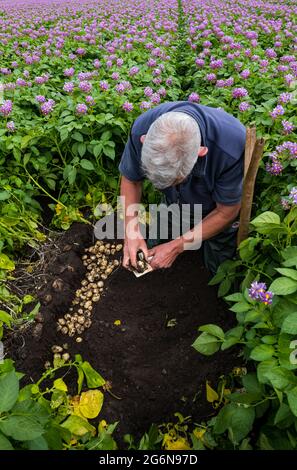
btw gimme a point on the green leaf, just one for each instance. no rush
(72, 175)
(53, 436)
(292, 400)
(6, 263)
(9, 390)
(290, 324)
(281, 378)
(38, 444)
(232, 337)
(252, 385)
(6, 318)
(206, 344)
(289, 252)
(263, 352)
(237, 420)
(87, 165)
(236, 297)
(266, 218)
(109, 152)
(220, 275)
(21, 428)
(97, 150)
(25, 393)
(269, 339)
(225, 286)
(77, 136)
(59, 384)
(281, 310)
(82, 148)
(290, 262)
(240, 307)
(31, 409)
(291, 273)
(5, 443)
(4, 195)
(283, 414)
(94, 379)
(63, 134)
(106, 135)
(263, 368)
(78, 426)
(283, 286)
(213, 330)
(80, 379)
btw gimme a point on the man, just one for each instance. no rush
(194, 155)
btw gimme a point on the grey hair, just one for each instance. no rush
(170, 149)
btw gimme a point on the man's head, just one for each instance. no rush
(170, 149)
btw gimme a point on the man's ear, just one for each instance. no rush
(202, 151)
(142, 138)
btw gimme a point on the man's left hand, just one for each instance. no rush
(164, 255)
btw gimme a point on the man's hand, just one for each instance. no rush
(164, 255)
(131, 247)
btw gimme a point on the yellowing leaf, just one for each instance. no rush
(88, 198)
(117, 322)
(211, 394)
(90, 403)
(74, 403)
(59, 384)
(179, 444)
(199, 433)
(58, 208)
(102, 426)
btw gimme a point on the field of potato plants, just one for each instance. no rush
(92, 358)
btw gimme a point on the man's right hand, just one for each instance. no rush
(131, 247)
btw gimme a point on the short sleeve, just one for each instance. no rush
(130, 164)
(228, 185)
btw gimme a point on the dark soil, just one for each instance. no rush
(152, 367)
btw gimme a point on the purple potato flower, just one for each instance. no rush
(275, 168)
(47, 107)
(85, 86)
(128, 107)
(277, 111)
(68, 87)
(40, 98)
(69, 72)
(244, 106)
(256, 289)
(81, 108)
(104, 85)
(10, 126)
(288, 127)
(239, 92)
(145, 105)
(293, 195)
(6, 108)
(194, 98)
(90, 100)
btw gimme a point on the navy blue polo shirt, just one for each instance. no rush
(216, 177)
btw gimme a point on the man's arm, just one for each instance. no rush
(217, 220)
(131, 191)
(222, 216)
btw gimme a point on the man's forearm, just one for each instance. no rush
(131, 191)
(214, 223)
